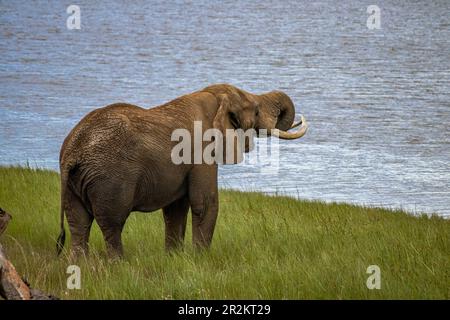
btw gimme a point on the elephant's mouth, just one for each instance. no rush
(290, 135)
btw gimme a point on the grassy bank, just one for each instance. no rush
(264, 247)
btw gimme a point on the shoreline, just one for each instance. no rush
(393, 208)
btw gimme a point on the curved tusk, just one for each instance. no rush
(291, 135)
(296, 124)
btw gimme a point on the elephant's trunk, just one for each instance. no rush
(279, 103)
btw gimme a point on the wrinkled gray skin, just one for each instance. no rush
(117, 160)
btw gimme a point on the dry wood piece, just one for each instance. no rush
(12, 286)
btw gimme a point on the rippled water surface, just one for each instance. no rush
(378, 101)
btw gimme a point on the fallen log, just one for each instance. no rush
(12, 286)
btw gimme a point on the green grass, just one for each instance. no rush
(263, 248)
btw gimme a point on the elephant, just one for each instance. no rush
(117, 159)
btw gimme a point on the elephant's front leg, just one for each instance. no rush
(175, 216)
(203, 197)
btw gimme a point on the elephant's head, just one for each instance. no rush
(277, 111)
(237, 114)
(239, 109)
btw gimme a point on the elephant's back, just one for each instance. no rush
(122, 148)
(101, 135)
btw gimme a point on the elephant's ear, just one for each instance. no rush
(228, 150)
(220, 120)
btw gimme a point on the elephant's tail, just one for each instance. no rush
(62, 236)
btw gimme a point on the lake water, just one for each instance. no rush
(377, 101)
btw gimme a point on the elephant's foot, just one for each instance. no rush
(78, 252)
(115, 251)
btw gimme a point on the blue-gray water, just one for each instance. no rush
(377, 101)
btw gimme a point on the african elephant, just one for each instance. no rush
(117, 159)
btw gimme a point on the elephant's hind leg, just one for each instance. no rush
(112, 234)
(80, 222)
(175, 218)
(111, 205)
(111, 220)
